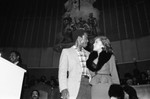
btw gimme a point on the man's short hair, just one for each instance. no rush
(77, 33)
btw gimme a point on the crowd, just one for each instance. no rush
(136, 78)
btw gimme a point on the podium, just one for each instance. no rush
(11, 80)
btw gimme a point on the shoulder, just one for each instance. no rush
(22, 65)
(67, 50)
(87, 52)
(112, 58)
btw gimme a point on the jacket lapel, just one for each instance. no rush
(75, 55)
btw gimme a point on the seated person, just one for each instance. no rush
(143, 78)
(128, 78)
(38, 94)
(35, 94)
(116, 92)
(130, 91)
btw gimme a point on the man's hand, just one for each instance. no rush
(65, 94)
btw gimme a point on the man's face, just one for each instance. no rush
(35, 95)
(84, 40)
(13, 57)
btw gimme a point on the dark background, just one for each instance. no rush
(38, 23)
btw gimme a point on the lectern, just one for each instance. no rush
(11, 80)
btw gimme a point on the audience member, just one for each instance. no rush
(136, 74)
(53, 82)
(134, 81)
(148, 76)
(116, 92)
(143, 78)
(43, 79)
(35, 94)
(130, 91)
(128, 79)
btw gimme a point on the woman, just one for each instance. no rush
(102, 64)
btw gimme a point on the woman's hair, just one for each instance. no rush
(106, 42)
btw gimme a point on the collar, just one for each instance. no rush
(16, 63)
(75, 47)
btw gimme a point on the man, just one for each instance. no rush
(35, 94)
(15, 58)
(73, 74)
